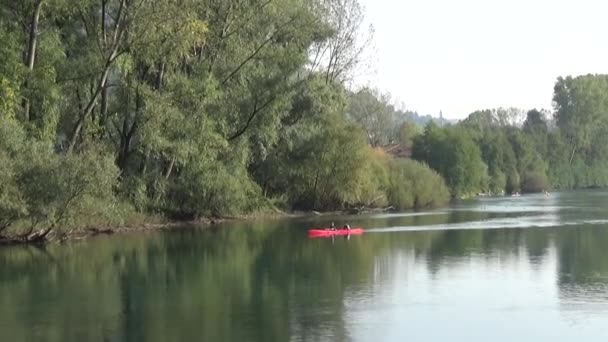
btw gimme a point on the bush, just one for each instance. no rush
(322, 167)
(59, 189)
(370, 189)
(213, 190)
(453, 153)
(415, 185)
(135, 191)
(12, 204)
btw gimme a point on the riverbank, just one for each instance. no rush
(147, 224)
(82, 233)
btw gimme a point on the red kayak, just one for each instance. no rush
(320, 232)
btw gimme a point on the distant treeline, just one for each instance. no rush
(506, 150)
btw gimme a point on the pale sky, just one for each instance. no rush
(461, 55)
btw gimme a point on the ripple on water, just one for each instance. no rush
(540, 221)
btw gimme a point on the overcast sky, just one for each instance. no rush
(459, 56)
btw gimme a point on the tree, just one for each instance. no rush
(320, 165)
(581, 106)
(537, 129)
(497, 153)
(535, 122)
(343, 52)
(498, 117)
(32, 31)
(452, 153)
(408, 131)
(373, 113)
(415, 185)
(126, 28)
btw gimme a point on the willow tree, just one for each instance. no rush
(344, 51)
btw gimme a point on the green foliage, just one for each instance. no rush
(452, 153)
(498, 154)
(44, 190)
(373, 113)
(415, 185)
(12, 203)
(323, 160)
(218, 189)
(569, 152)
(526, 159)
(135, 191)
(11, 74)
(480, 121)
(58, 189)
(373, 181)
(324, 166)
(498, 182)
(581, 105)
(408, 131)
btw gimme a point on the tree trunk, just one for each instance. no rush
(144, 167)
(89, 108)
(572, 155)
(33, 36)
(170, 169)
(160, 76)
(103, 111)
(103, 22)
(31, 53)
(115, 43)
(128, 130)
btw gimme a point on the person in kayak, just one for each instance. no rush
(347, 226)
(332, 226)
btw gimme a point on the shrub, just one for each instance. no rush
(12, 204)
(372, 182)
(415, 185)
(58, 189)
(213, 190)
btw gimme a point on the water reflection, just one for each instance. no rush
(269, 282)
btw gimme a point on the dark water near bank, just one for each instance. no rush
(527, 269)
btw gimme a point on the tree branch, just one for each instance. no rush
(255, 53)
(255, 111)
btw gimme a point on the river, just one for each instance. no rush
(527, 268)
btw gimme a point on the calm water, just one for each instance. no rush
(510, 269)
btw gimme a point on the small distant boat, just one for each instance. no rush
(325, 232)
(516, 194)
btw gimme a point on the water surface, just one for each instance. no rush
(495, 269)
